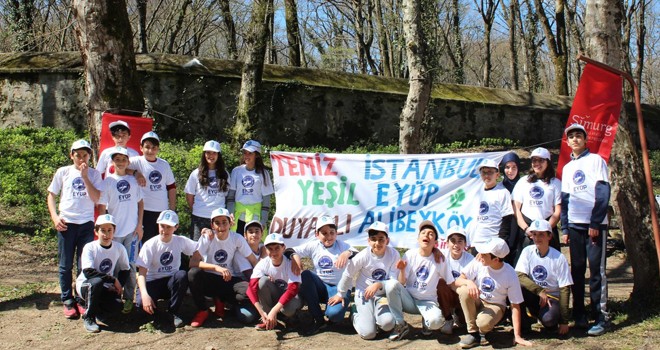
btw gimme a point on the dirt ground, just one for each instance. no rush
(36, 321)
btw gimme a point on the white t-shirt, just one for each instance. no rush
(370, 268)
(538, 199)
(423, 274)
(494, 205)
(324, 259)
(105, 260)
(456, 266)
(280, 275)
(76, 207)
(159, 175)
(550, 272)
(495, 285)
(164, 259)
(249, 186)
(579, 181)
(222, 252)
(207, 198)
(121, 195)
(105, 161)
(241, 263)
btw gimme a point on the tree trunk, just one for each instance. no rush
(142, 25)
(178, 26)
(272, 53)
(556, 44)
(292, 32)
(383, 43)
(230, 28)
(532, 75)
(513, 49)
(641, 38)
(488, 66)
(459, 58)
(106, 45)
(21, 22)
(420, 80)
(603, 35)
(253, 68)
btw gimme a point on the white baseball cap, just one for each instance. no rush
(427, 223)
(105, 219)
(495, 246)
(325, 220)
(274, 238)
(119, 123)
(118, 150)
(79, 144)
(149, 135)
(380, 227)
(488, 163)
(220, 212)
(456, 230)
(252, 146)
(540, 225)
(213, 146)
(541, 153)
(254, 223)
(575, 126)
(168, 217)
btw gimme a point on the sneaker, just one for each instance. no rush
(177, 321)
(128, 307)
(260, 327)
(400, 331)
(425, 330)
(483, 340)
(448, 327)
(598, 329)
(470, 341)
(90, 325)
(219, 308)
(317, 327)
(70, 311)
(199, 318)
(81, 310)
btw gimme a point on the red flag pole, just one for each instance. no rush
(642, 141)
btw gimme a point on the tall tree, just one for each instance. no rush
(230, 28)
(383, 42)
(21, 23)
(292, 32)
(603, 41)
(106, 46)
(487, 10)
(420, 80)
(556, 43)
(178, 26)
(510, 15)
(142, 26)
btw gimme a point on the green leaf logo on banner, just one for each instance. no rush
(456, 199)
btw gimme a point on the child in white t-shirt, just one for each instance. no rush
(121, 134)
(457, 258)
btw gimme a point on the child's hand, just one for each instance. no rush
(371, 290)
(295, 268)
(59, 223)
(148, 304)
(118, 287)
(141, 180)
(226, 275)
(437, 254)
(401, 264)
(207, 232)
(473, 291)
(139, 231)
(270, 320)
(342, 259)
(84, 170)
(520, 340)
(336, 300)
(563, 329)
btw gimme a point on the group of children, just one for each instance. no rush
(267, 282)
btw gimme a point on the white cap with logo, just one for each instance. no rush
(541, 153)
(495, 246)
(488, 163)
(325, 220)
(575, 126)
(150, 135)
(119, 123)
(168, 217)
(213, 146)
(456, 230)
(118, 150)
(252, 146)
(380, 227)
(274, 238)
(105, 219)
(220, 212)
(540, 225)
(78, 144)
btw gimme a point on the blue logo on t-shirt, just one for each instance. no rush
(166, 258)
(220, 256)
(123, 186)
(379, 274)
(105, 266)
(155, 177)
(78, 184)
(213, 182)
(539, 273)
(248, 181)
(280, 283)
(483, 208)
(487, 285)
(579, 177)
(455, 273)
(536, 192)
(422, 273)
(325, 262)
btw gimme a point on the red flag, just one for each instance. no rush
(596, 106)
(138, 127)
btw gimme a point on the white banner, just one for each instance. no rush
(358, 189)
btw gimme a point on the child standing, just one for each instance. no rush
(585, 195)
(158, 265)
(329, 257)
(372, 267)
(207, 188)
(78, 187)
(105, 270)
(121, 133)
(511, 167)
(122, 197)
(250, 188)
(160, 191)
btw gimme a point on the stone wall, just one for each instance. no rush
(298, 107)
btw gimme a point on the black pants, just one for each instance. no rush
(173, 287)
(584, 249)
(204, 283)
(149, 224)
(549, 315)
(99, 299)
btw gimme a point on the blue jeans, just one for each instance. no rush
(70, 244)
(314, 291)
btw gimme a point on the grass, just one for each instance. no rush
(11, 293)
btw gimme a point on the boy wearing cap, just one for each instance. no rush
(105, 270)
(78, 187)
(545, 278)
(329, 257)
(273, 286)
(211, 267)
(122, 198)
(483, 287)
(160, 190)
(585, 194)
(121, 133)
(457, 259)
(370, 268)
(158, 265)
(415, 291)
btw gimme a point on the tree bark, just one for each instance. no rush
(556, 43)
(21, 22)
(142, 26)
(459, 57)
(513, 49)
(420, 80)
(487, 12)
(230, 28)
(178, 26)
(292, 32)
(272, 52)
(641, 39)
(383, 43)
(106, 46)
(603, 36)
